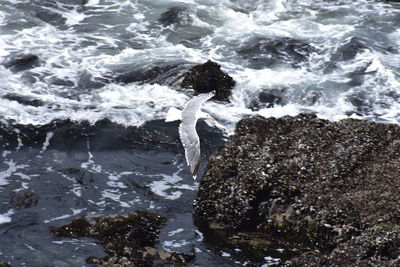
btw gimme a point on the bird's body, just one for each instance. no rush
(187, 130)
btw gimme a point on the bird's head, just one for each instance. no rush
(204, 115)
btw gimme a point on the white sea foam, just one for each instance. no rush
(64, 216)
(4, 218)
(175, 243)
(66, 53)
(74, 17)
(225, 254)
(11, 169)
(177, 231)
(114, 195)
(46, 142)
(170, 186)
(6, 153)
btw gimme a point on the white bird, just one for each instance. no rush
(187, 130)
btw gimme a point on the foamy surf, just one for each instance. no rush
(86, 87)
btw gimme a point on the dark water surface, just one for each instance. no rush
(86, 85)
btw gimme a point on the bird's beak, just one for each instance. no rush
(212, 118)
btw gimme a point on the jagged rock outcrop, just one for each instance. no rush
(326, 191)
(129, 240)
(209, 77)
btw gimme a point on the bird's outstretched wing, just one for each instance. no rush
(187, 131)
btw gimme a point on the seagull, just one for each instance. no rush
(187, 130)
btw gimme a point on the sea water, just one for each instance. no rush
(70, 144)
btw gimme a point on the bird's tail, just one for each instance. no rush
(195, 170)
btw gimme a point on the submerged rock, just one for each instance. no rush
(345, 52)
(265, 52)
(24, 200)
(208, 77)
(162, 73)
(326, 192)
(21, 62)
(129, 239)
(266, 99)
(25, 100)
(175, 16)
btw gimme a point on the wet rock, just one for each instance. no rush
(175, 16)
(25, 100)
(129, 240)
(208, 77)
(163, 73)
(266, 52)
(24, 200)
(350, 49)
(357, 77)
(51, 11)
(21, 62)
(326, 191)
(266, 99)
(376, 246)
(345, 52)
(88, 81)
(77, 228)
(4, 264)
(51, 17)
(53, 3)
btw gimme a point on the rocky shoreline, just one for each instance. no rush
(301, 190)
(322, 193)
(129, 240)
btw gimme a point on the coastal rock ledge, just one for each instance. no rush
(306, 190)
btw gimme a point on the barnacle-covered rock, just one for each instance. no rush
(322, 189)
(129, 240)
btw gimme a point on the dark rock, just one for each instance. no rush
(50, 11)
(329, 191)
(350, 49)
(209, 77)
(163, 73)
(21, 62)
(77, 228)
(87, 81)
(357, 76)
(345, 52)
(376, 246)
(24, 200)
(51, 17)
(266, 99)
(265, 52)
(61, 82)
(24, 100)
(128, 239)
(4, 264)
(53, 3)
(175, 16)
